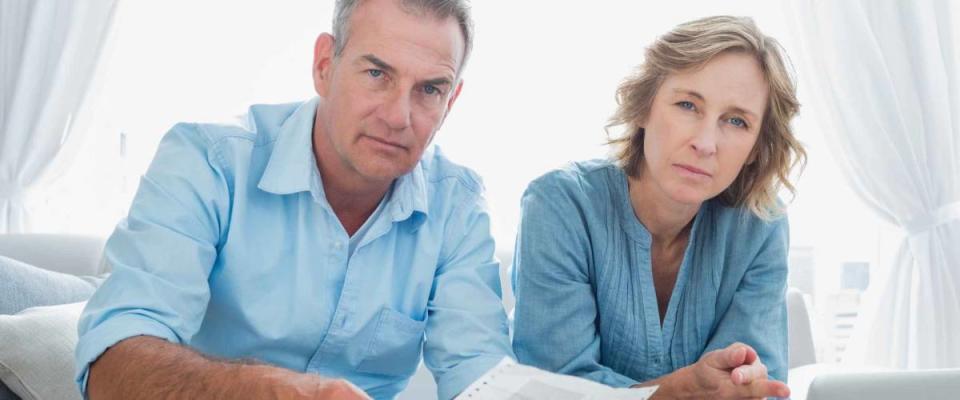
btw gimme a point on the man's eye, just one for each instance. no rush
(374, 73)
(431, 90)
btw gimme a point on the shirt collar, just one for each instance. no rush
(292, 168)
(292, 165)
(409, 199)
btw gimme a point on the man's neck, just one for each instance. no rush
(352, 196)
(353, 206)
(667, 220)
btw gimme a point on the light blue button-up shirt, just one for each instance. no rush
(586, 302)
(230, 247)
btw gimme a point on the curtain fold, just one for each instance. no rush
(886, 79)
(49, 50)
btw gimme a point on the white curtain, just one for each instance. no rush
(48, 54)
(885, 80)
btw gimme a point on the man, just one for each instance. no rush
(309, 252)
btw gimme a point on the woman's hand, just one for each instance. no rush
(735, 372)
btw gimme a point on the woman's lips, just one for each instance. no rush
(693, 170)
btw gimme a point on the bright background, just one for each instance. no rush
(538, 91)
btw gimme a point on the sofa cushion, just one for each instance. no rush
(36, 351)
(23, 286)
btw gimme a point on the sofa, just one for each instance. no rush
(36, 345)
(80, 255)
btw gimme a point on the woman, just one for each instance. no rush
(653, 267)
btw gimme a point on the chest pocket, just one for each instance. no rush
(395, 347)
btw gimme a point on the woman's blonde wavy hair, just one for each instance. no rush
(690, 46)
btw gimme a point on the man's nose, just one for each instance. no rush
(396, 110)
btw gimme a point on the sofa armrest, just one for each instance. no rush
(70, 254)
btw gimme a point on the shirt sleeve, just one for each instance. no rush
(467, 331)
(757, 314)
(555, 320)
(161, 255)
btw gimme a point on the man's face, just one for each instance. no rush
(388, 92)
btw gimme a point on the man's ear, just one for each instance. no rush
(322, 63)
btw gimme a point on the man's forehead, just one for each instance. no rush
(397, 35)
(403, 59)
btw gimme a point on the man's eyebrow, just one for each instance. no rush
(437, 82)
(372, 59)
(377, 62)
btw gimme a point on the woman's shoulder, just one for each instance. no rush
(585, 188)
(738, 222)
(577, 178)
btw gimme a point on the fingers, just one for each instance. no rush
(736, 355)
(731, 357)
(751, 355)
(745, 374)
(761, 389)
(723, 374)
(723, 359)
(768, 388)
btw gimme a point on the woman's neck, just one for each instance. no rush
(668, 221)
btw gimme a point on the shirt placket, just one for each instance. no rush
(338, 332)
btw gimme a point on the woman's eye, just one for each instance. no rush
(687, 105)
(738, 122)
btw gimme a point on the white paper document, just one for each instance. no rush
(512, 381)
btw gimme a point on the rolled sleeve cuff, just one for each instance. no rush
(458, 378)
(110, 332)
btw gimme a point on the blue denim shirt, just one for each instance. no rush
(230, 247)
(586, 303)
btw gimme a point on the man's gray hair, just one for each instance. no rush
(442, 9)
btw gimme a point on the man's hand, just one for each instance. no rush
(304, 386)
(735, 372)
(145, 367)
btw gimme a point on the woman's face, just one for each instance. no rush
(702, 127)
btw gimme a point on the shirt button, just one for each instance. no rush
(338, 245)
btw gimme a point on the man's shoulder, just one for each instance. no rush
(227, 139)
(260, 124)
(440, 172)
